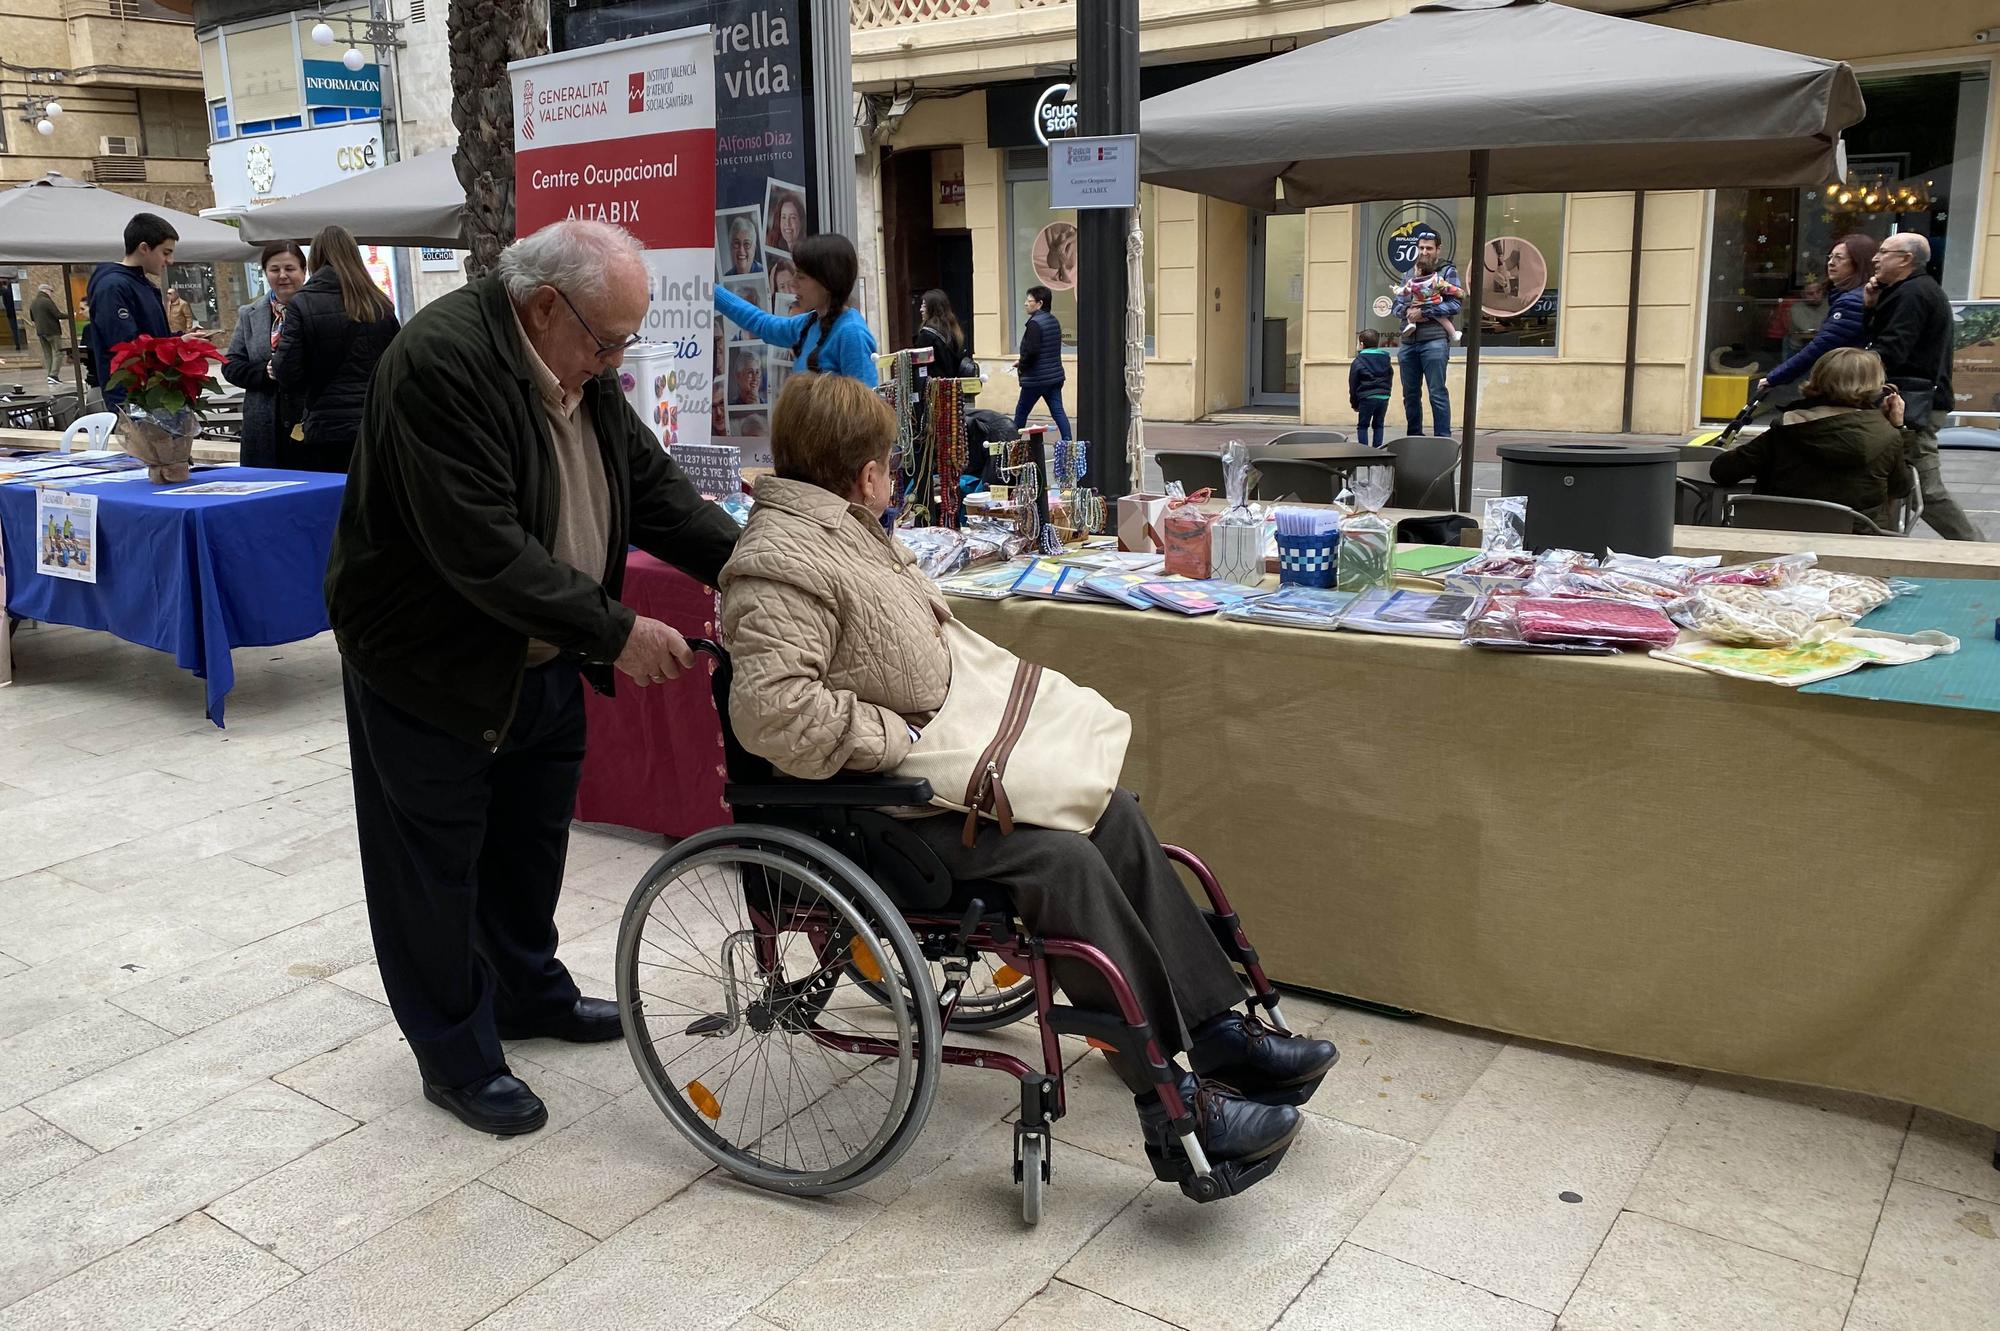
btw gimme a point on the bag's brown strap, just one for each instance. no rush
(986, 790)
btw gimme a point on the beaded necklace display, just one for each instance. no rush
(948, 443)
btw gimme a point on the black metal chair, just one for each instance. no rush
(1195, 471)
(1782, 513)
(1304, 437)
(1426, 469)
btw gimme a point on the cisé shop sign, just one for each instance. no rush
(330, 83)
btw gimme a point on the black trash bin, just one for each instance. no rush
(1594, 497)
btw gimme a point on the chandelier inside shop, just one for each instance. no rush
(1878, 196)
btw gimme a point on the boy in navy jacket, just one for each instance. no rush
(1369, 382)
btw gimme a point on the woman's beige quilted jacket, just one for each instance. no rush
(836, 637)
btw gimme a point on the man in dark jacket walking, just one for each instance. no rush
(47, 317)
(1040, 368)
(125, 298)
(1910, 329)
(498, 479)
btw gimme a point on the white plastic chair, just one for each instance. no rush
(98, 426)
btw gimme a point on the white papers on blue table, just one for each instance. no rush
(94, 454)
(230, 487)
(39, 462)
(47, 474)
(66, 535)
(104, 477)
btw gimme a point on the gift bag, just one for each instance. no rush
(1236, 540)
(1366, 557)
(1184, 535)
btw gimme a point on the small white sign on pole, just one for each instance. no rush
(1094, 173)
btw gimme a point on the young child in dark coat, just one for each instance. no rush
(1369, 382)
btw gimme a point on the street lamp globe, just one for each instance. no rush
(322, 34)
(45, 126)
(52, 110)
(353, 58)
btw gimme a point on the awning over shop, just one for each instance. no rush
(417, 201)
(59, 220)
(1558, 98)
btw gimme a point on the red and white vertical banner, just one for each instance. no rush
(625, 133)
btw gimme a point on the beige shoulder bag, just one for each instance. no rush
(1017, 742)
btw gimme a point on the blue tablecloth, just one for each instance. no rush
(192, 575)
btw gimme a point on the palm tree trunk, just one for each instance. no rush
(485, 35)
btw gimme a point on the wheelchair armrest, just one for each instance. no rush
(841, 792)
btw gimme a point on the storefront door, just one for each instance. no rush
(1277, 307)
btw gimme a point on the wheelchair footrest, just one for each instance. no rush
(1227, 1178)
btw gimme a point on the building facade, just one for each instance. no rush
(1260, 311)
(126, 77)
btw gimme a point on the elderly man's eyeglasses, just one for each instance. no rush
(605, 350)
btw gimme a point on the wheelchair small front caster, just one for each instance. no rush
(1031, 1171)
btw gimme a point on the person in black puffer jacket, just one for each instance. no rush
(1040, 367)
(335, 330)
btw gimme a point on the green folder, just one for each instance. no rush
(1426, 559)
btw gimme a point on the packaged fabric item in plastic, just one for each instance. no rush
(940, 551)
(1503, 524)
(1236, 538)
(1496, 626)
(1184, 533)
(1777, 571)
(1366, 556)
(1737, 615)
(1851, 595)
(1610, 585)
(1680, 567)
(1547, 619)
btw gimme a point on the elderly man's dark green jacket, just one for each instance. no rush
(441, 571)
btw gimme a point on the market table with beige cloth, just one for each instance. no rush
(1616, 853)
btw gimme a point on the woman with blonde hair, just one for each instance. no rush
(1843, 443)
(839, 654)
(335, 330)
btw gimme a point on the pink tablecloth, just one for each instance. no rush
(655, 756)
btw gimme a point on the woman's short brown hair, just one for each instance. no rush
(1848, 377)
(826, 428)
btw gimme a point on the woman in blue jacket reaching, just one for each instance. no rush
(1848, 269)
(829, 338)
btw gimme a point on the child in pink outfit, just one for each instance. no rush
(1429, 291)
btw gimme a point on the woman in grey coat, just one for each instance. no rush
(267, 413)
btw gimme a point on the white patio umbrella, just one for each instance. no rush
(417, 201)
(1466, 98)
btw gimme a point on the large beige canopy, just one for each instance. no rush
(59, 220)
(417, 201)
(1559, 98)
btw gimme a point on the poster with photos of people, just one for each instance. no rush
(753, 260)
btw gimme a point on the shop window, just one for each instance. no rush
(172, 124)
(196, 283)
(214, 87)
(270, 126)
(263, 74)
(1523, 263)
(1916, 163)
(1028, 216)
(218, 120)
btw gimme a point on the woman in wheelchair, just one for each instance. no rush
(839, 658)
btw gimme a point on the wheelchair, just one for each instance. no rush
(786, 982)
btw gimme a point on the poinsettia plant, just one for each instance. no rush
(163, 375)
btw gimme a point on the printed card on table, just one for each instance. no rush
(66, 535)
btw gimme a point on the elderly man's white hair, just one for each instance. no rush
(1915, 244)
(577, 257)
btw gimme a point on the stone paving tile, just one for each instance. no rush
(1062, 1307)
(273, 906)
(137, 1096)
(444, 1268)
(49, 917)
(32, 1150)
(1934, 1266)
(324, 838)
(48, 831)
(1188, 1264)
(267, 969)
(702, 1260)
(42, 993)
(139, 863)
(1655, 1276)
(1484, 1200)
(1359, 1288)
(189, 1276)
(364, 1078)
(606, 1169)
(1399, 1076)
(8, 965)
(74, 1045)
(323, 1204)
(173, 889)
(963, 1218)
(1950, 1154)
(363, 979)
(102, 1205)
(1792, 1170)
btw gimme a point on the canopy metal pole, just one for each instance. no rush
(1475, 313)
(74, 339)
(1632, 308)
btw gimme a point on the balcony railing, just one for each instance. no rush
(146, 10)
(900, 13)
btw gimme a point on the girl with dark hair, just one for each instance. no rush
(268, 413)
(828, 337)
(1848, 267)
(943, 335)
(338, 326)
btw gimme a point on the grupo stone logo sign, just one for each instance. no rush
(1056, 113)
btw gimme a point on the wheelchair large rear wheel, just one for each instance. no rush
(739, 960)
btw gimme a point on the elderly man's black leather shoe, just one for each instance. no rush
(1228, 1125)
(1264, 1063)
(588, 1021)
(502, 1104)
